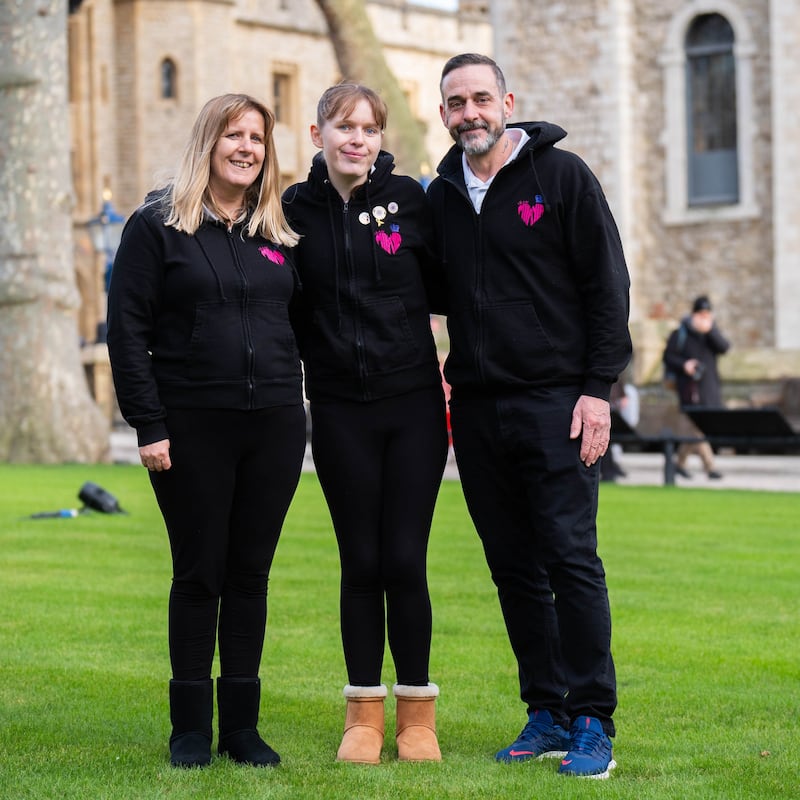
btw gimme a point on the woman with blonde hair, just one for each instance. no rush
(207, 371)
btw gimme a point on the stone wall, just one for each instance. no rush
(785, 60)
(594, 67)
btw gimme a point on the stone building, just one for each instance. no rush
(689, 113)
(140, 70)
(687, 110)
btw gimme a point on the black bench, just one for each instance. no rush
(664, 442)
(750, 430)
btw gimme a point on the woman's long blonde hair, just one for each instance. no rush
(263, 196)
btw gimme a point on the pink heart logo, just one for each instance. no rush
(528, 213)
(275, 256)
(390, 242)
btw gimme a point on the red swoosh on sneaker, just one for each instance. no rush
(566, 761)
(520, 752)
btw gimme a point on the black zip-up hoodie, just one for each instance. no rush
(537, 286)
(199, 321)
(365, 327)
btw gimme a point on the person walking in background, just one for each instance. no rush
(378, 428)
(207, 370)
(537, 296)
(691, 355)
(624, 400)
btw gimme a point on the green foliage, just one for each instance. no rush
(704, 592)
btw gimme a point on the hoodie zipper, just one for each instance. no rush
(479, 297)
(353, 283)
(246, 332)
(478, 293)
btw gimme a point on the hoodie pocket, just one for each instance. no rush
(388, 340)
(217, 348)
(515, 345)
(274, 345)
(230, 342)
(377, 332)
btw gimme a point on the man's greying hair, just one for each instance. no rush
(468, 59)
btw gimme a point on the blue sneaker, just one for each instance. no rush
(540, 738)
(589, 753)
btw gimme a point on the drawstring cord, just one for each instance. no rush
(336, 255)
(332, 223)
(536, 178)
(217, 278)
(373, 233)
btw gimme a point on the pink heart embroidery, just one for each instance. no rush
(528, 213)
(274, 256)
(390, 242)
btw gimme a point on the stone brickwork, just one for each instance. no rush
(595, 67)
(785, 59)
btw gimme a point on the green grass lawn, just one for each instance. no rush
(705, 594)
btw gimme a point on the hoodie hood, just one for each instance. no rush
(318, 178)
(542, 134)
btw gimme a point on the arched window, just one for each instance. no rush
(711, 112)
(169, 79)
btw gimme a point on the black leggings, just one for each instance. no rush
(380, 465)
(233, 476)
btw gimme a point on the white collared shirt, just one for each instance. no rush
(475, 186)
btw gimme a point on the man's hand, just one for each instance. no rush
(591, 420)
(155, 456)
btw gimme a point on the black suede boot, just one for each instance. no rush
(238, 700)
(191, 707)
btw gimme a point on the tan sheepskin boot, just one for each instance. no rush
(416, 723)
(363, 725)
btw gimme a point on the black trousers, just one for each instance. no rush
(380, 465)
(224, 500)
(534, 505)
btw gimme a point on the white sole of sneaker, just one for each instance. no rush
(601, 776)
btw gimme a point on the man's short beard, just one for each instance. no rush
(478, 147)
